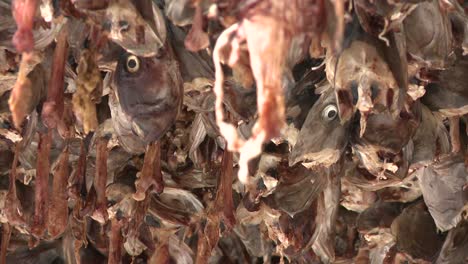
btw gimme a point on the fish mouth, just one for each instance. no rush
(326, 157)
(152, 125)
(148, 108)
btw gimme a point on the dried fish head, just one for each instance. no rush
(139, 28)
(380, 17)
(322, 138)
(429, 35)
(389, 133)
(384, 143)
(420, 240)
(149, 93)
(447, 102)
(447, 92)
(362, 79)
(430, 139)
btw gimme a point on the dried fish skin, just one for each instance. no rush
(13, 209)
(53, 108)
(327, 208)
(150, 176)
(443, 188)
(179, 205)
(294, 197)
(251, 236)
(354, 198)
(88, 91)
(41, 192)
(123, 129)
(447, 102)
(58, 204)
(431, 129)
(91, 5)
(29, 89)
(455, 245)
(378, 215)
(359, 176)
(6, 157)
(100, 181)
(180, 12)
(381, 129)
(405, 192)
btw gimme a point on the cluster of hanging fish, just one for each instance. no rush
(223, 131)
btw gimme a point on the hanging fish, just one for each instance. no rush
(148, 95)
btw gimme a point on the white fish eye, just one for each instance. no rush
(330, 112)
(132, 64)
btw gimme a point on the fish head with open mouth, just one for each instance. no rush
(137, 26)
(362, 78)
(322, 138)
(149, 94)
(385, 144)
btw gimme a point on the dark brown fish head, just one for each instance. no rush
(429, 35)
(384, 145)
(459, 22)
(137, 26)
(378, 215)
(149, 91)
(322, 138)
(362, 79)
(447, 93)
(419, 240)
(387, 132)
(378, 17)
(455, 245)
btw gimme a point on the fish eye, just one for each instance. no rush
(132, 64)
(330, 112)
